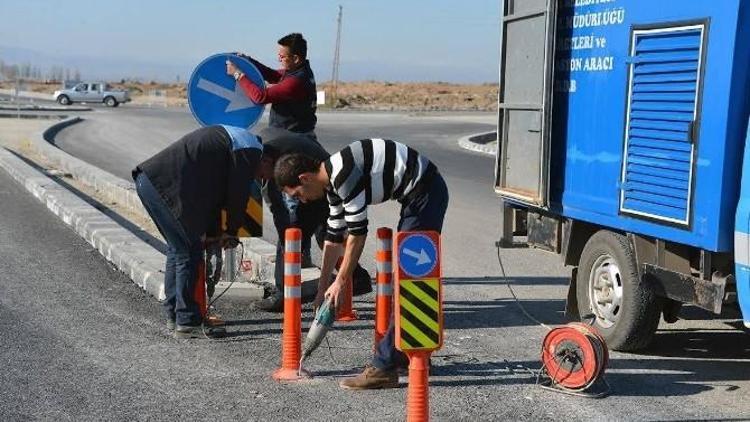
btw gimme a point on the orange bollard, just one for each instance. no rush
(199, 291)
(345, 313)
(383, 282)
(200, 295)
(418, 394)
(291, 345)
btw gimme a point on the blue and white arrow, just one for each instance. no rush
(237, 98)
(421, 257)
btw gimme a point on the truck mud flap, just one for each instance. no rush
(707, 294)
(571, 303)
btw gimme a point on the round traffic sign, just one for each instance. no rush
(216, 98)
(417, 255)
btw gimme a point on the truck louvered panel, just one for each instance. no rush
(658, 156)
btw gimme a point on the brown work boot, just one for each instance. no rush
(372, 378)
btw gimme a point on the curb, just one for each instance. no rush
(28, 107)
(27, 115)
(485, 143)
(133, 256)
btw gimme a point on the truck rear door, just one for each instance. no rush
(525, 100)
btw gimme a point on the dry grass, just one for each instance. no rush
(369, 95)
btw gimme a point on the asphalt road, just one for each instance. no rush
(99, 349)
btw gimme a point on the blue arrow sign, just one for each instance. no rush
(417, 255)
(216, 98)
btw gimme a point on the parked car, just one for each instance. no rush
(91, 92)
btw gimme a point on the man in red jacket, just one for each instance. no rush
(292, 95)
(293, 100)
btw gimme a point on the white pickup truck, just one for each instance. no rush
(91, 92)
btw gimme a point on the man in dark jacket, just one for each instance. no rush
(310, 217)
(292, 95)
(184, 188)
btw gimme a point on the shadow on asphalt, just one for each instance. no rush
(678, 363)
(502, 313)
(497, 281)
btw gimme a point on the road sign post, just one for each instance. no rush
(419, 312)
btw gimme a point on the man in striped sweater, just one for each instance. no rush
(369, 171)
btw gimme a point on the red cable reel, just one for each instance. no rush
(574, 356)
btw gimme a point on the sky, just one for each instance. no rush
(406, 40)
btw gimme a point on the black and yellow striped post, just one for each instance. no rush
(252, 221)
(419, 312)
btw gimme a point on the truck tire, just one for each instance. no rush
(110, 102)
(625, 311)
(64, 100)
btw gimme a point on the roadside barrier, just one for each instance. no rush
(383, 282)
(291, 344)
(418, 313)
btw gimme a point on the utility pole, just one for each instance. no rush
(335, 71)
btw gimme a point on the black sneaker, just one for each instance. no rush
(198, 331)
(362, 283)
(273, 303)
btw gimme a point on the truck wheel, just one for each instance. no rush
(63, 100)
(625, 311)
(110, 102)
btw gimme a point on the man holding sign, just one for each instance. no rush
(366, 172)
(293, 95)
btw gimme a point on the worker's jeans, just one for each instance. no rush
(183, 255)
(424, 212)
(310, 218)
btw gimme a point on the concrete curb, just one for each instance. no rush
(28, 115)
(134, 259)
(131, 255)
(485, 143)
(27, 107)
(110, 186)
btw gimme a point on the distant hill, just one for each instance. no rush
(115, 68)
(97, 67)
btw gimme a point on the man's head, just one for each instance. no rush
(300, 177)
(292, 51)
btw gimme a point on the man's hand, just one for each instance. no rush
(243, 55)
(334, 292)
(229, 241)
(231, 68)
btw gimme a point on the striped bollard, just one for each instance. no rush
(345, 311)
(383, 282)
(291, 344)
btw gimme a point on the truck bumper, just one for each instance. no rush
(707, 294)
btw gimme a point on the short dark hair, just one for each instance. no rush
(271, 152)
(288, 168)
(296, 44)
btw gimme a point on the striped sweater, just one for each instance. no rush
(367, 172)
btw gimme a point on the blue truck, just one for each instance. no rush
(623, 146)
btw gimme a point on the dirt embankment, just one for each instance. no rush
(369, 95)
